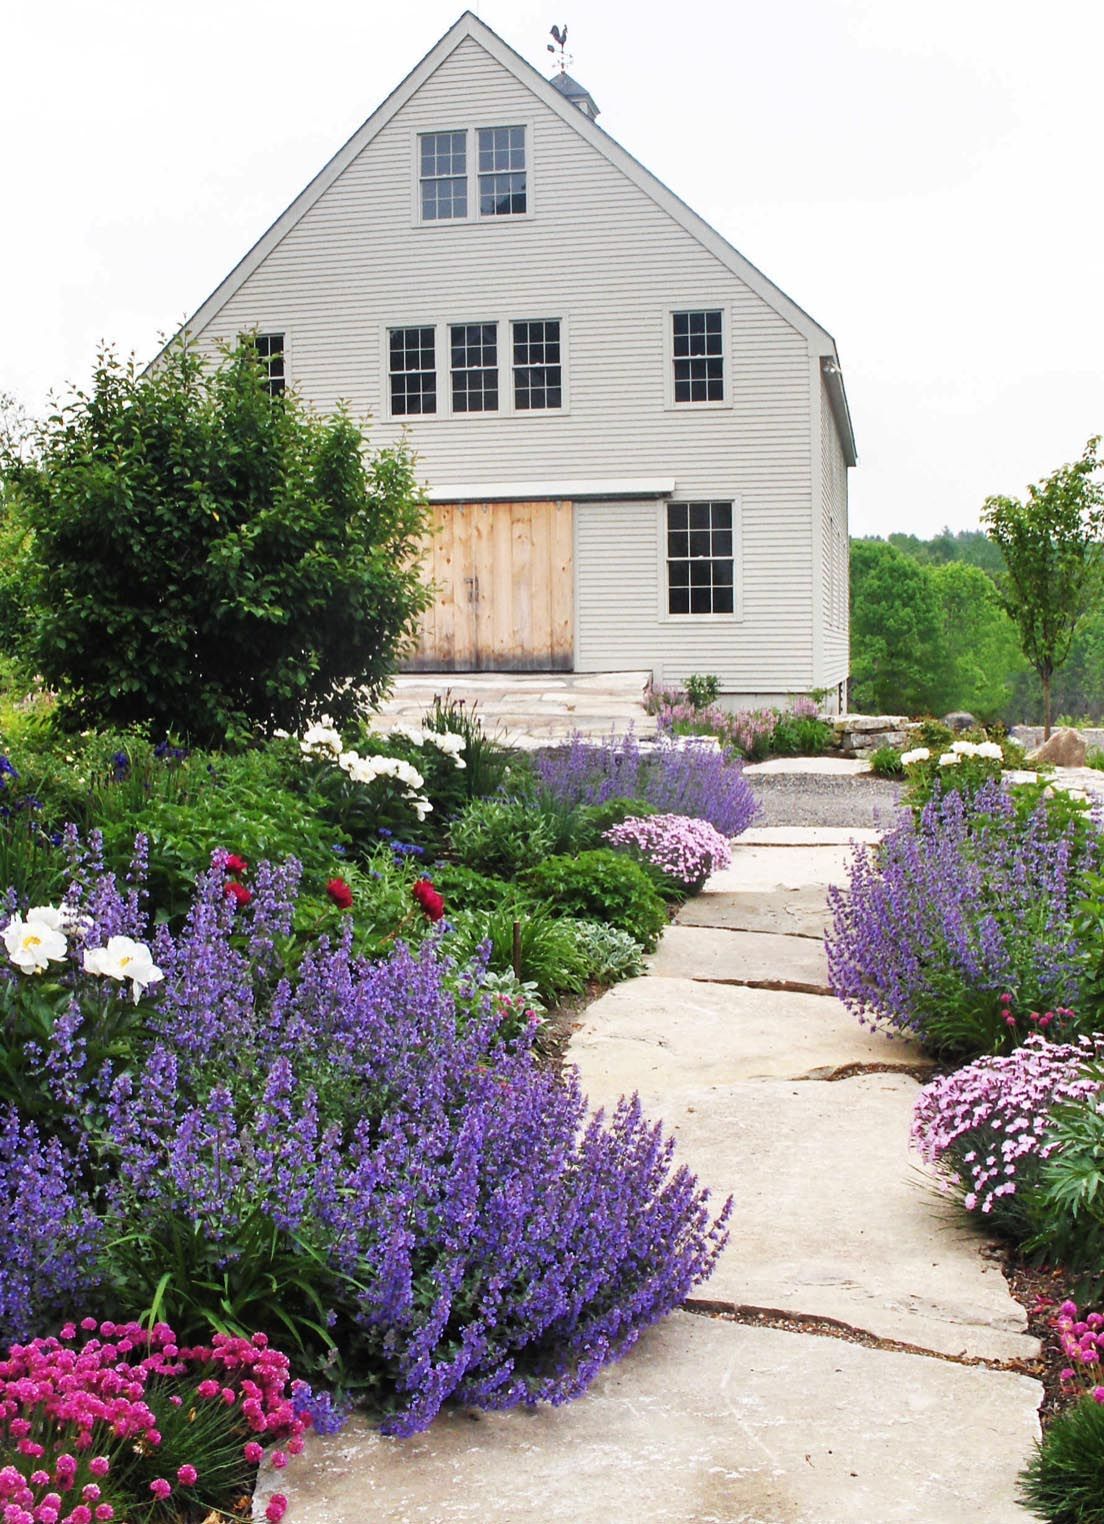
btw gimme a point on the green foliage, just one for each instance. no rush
(550, 956)
(592, 820)
(702, 689)
(486, 760)
(898, 665)
(610, 954)
(600, 886)
(1063, 1482)
(465, 889)
(886, 763)
(1066, 1200)
(979, 639)
(211, 559)
(800, 735)
(933, 734)
(501, 837)
(1051, 547)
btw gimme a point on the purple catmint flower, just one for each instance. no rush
(684, 776)
(951, 911)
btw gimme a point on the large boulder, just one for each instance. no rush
(959, 720)
(1066, 748)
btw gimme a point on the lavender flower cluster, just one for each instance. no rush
(48, 1231)
(685, 849)
(986, 1127)
(689, 776)
(465, 1227)
(956, 908)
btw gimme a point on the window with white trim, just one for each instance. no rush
(443, 175)
(502, 187)
(700, 558)
(698, 353)
(412, 366)
(472, 174)
(474, 365)
(538, 373)
(269, 349)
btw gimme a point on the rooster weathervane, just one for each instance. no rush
(560, 36)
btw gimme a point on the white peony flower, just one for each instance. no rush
(965, 748)
(33, 944)
(918, 754)
(64, 918)
(991, 751)
(321, 738)
(949, 758)
(123, 958)
(410, 733)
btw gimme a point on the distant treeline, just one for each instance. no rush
(928, 635)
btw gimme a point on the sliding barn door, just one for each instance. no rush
(504, 589)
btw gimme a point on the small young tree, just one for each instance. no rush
(1053, 560)
(211, 559)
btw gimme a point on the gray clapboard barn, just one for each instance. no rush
(636, 447)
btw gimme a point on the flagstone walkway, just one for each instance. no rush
(855, 1357)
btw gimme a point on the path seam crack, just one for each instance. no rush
(821, 1327)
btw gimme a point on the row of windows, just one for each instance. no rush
(451, 177)
(697, 350)
(473, 356)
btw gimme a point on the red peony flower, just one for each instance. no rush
(235, 864)
(339, 891)
(238, 892)
(428, 898)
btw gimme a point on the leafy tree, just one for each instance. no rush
(898, 658)
(211, 559)
(1051, 547)
(979, 641)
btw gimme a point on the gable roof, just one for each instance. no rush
(468, 25)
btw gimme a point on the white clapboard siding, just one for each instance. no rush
(835, 544)
(603, 255)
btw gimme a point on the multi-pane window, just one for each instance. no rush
(538, 376)
(502, 189)
(443, 171)
(270, 352)
(413, 370)
(474, 355)
(698, 349)
(699, 558)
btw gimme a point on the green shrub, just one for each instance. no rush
(549, 955)
(600, 886)
(594, 820)
(886, 762)
(501, 837)
(1063, 1482)
(933, 734)
(212, 559)
(801, 735)
(465, 889)
(702, 689)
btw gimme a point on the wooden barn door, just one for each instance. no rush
(503, 574)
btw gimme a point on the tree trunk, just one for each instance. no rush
(1046, 705)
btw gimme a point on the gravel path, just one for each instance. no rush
(811, 799)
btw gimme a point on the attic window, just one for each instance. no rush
(502, 189)
(444, 175)
(270, 351)
(698, 350)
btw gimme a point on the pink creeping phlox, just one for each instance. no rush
(986, 1124)
(686, 849)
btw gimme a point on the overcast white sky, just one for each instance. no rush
(924, 178)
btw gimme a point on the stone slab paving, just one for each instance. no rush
(791, 912)
(659, 1036)
(705, 1422)
(833, 1218)
(782, 867)
(806, 836)
(763, 958)
(826, 767)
